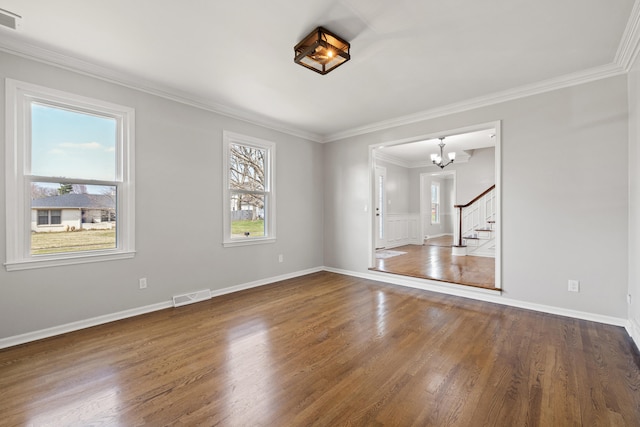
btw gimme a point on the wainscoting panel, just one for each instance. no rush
(403, 229)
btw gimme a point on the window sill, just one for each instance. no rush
(249, 242)
(57, 261)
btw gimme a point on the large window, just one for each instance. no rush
(70, 189)
(249, 201)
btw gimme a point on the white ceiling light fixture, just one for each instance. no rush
(438, 159)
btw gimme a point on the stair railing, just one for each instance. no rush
(467, 205)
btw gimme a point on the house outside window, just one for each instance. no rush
(249, 193)
(74, 170)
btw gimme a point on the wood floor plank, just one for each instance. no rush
(328, 350)
(436, 262)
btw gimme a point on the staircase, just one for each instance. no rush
(475, 234)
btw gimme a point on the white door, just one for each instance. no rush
(380, 201)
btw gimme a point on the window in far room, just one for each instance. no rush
(435, 202)
(249, 205)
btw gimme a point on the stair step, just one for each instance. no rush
(491, 222)
(483, 229)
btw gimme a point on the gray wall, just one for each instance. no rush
(396, 188)
(178, 174)
(564, 208)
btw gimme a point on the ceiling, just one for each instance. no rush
(410, 58)
(418, 153)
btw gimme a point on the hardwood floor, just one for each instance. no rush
(434, 261)
(328, 350)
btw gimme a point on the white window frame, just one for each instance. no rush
(436, 185)
(229, 138)
(19, 96)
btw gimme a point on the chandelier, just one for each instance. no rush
(437, 159)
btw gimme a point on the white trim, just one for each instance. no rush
(71, 259)
(81, 324)
(262, 282)
(428, 285)
(569, 80)
(626, 53)
(628, 47)
(12, 45)
(229, 138)
(486, 295)
(112, 317)
(633, 329)
(18, 98)
(497, 126)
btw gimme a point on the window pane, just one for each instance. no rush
(43, 217)
(246, 167)
(56, 217)
(247, 215)
(72, 218)
(72, 144)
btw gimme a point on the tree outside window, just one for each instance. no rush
(248, 190)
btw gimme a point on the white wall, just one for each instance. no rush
(634, 202)
(178, 177)
(564, 206)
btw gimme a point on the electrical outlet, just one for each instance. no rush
(574, 286)
(280, 258)
(143, 283)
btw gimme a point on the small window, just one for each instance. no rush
(435, 202)
(249, 206)
(49, 217)
(75, 158)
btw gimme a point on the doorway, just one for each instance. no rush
(432, 192)
(437, 200)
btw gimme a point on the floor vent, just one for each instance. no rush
(185, 299)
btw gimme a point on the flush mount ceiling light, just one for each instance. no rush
(438, 159)
(322, 51)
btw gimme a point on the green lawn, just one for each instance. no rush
(256, 228)
(72, 241)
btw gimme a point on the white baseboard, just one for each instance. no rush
(434, 236)
(480, 294)
(257, 283)
(81, 324)
(99, 320)
(633, 329)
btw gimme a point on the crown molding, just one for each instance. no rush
(17, 47)
(624, 59)
(628, 47)
(574, 79)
